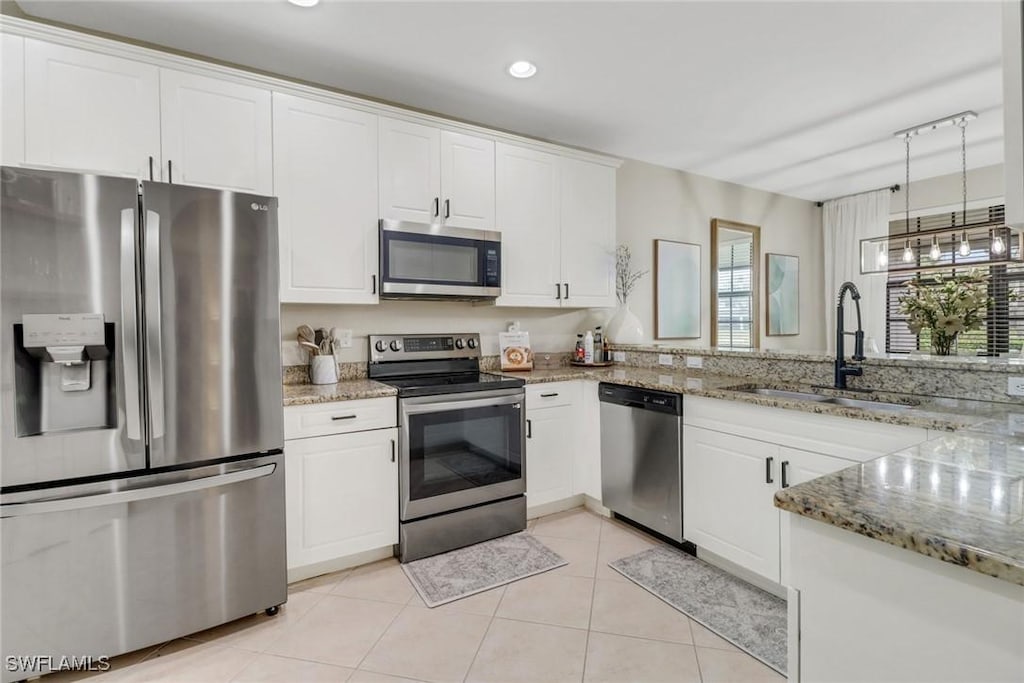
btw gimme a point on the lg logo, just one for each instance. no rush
(259, 207)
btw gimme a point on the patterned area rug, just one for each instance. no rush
(748, 617)
(474, 569)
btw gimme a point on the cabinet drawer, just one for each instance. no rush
(551, 394)
(340, 417)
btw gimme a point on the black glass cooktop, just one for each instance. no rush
(452, 383)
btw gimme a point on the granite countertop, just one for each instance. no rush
(345, 390)
(939, 414)
(959, 499)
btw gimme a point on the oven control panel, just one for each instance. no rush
(401, 347)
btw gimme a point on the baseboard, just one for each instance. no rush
(778, 590)
(337, 564)
(594, 505)
(553, 507)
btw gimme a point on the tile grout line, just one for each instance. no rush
(483, 638)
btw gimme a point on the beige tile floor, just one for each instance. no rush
(581, 622)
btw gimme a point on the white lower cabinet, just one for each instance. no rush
(342, 495)
(737, 455)
(551, 430)
(728, 486)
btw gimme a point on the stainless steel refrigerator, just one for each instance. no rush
(141, 468)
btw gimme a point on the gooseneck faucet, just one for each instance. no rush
(842, 369)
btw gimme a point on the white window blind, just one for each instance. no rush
(735, 296)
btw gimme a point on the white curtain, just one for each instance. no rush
(846, 221)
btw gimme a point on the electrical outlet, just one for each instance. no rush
(694, 383)
(664, 359)
(1015, 423)
(619, 356)
(344, 339)
(665, 379)
(1015, 386)
(696, 362)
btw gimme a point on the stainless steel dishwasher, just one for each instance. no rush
(641, 457)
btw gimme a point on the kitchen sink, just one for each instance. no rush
(869, 404)
(865, 403)
(781, 393)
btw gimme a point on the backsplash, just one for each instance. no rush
(981, 379)
(543, 360)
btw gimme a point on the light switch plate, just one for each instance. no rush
(664, 359)
(696, 362)
(619, 356)
(1015, 385)
(344, 339)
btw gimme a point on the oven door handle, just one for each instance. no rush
(443, 403)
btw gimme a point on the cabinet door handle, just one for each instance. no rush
(549, 394)
(373, 283)
(768, 470)
(392, 450)
(437, 207)
(529, 429)
(558, 290)
(170, 172)
(151, 168)
(447, 208)
(566, 290)
(343, 417)
(785, 474)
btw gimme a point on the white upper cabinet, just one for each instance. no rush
(325, 173)
(12, 99)
(410, 171)
(215, 133)
(557, 221)
(527, 214)
(88, 111)
(467, 181)
(432, 176)
(588, 234)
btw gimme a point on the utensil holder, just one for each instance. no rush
(323, 370)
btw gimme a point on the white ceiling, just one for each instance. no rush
(799, 98)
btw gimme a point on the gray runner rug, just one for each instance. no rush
(476, 568)
(748, 617)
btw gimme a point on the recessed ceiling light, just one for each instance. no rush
(304, 3)
(522, 69)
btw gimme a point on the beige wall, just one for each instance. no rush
(660, 203)
(945, 192)
(653, 202)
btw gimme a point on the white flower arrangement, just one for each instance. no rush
(946, 307)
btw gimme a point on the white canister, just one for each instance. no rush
(323, 370)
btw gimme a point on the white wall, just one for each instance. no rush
(945, 192)
(661, 203)
(653, 202)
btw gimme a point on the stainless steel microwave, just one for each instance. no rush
(420, 261)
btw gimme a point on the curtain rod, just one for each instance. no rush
(891, 188)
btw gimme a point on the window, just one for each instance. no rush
(735, 294)
(1004, 328)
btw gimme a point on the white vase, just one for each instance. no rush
(624, 327)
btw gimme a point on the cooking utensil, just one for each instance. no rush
(333, 334)
(325, 346)
(305, 332)
(311, 346)
(318, 336)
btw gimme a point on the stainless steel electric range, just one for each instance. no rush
(462, 470)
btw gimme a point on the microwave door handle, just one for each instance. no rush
(130, 329)
(154, 347)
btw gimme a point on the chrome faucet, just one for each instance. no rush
(842, 369)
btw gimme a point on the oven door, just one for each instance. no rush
(459, 450)
(423, 261)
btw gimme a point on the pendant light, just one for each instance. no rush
(965, 245)
(1002, 244)
(908, 253)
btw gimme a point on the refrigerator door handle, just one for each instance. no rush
(154, 349)
(135, 495)
(130, 329)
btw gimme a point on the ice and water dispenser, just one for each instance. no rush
(64, 372)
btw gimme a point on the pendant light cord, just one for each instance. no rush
(906, 184)
(963, 164)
